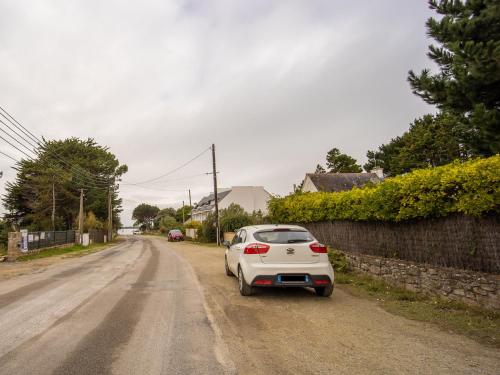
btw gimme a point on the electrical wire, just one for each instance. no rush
(169, 172)
(85, 174)
(10, 157)
(181, 178)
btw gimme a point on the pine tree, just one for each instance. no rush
(468, 83)
(341, 163)
(430, 141)
(319, 169)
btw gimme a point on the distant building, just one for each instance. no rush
(332, 182)
(251, 198)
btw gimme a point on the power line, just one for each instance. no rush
(10, 157)
(23, 129)
(40, 144)
(16, 133)
(88, 178)
(156, 189)
(30, 158)
(182, 178)
(17, 148)
(15, 139)
(169, 172)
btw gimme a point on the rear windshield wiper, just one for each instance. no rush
(295, 241)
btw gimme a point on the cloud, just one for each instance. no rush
(275, 84)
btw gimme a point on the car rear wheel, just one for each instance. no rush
(324, 291)
(228, 271)
(245, 289)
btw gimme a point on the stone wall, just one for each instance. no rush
(461, 285)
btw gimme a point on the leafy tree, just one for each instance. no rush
(468, 82)
(169, 211)
(233, 218)
(187, 213)
(319, 169)
(168, 223)
(28, 199)
(144, 215)
(341, 163)
(258, 217)
(430, 141)
(91, 222)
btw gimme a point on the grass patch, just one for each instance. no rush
(75, 250)
(477, 323)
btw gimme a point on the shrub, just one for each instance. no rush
(471, 188)
(338, 260)
(208, 230)
(193, 224)
(234, 217)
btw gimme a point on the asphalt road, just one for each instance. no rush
(133, 309)
(151, 307)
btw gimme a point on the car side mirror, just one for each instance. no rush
(227, 244)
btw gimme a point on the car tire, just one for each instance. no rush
(245, 289)
(324, 291)
(228, 271)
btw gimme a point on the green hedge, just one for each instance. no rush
(471, 188)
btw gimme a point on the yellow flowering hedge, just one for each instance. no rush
(471, 188)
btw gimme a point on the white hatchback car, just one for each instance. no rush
(278, 256)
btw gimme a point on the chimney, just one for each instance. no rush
(379, 172)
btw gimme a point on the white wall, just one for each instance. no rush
(200, 216)
(126, 231)
(308, 186)
(251, 198)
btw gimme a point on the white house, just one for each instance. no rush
(251, 198)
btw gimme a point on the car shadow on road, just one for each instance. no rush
(286, 293)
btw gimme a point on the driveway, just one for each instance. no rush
(152, 307)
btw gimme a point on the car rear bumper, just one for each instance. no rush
(278, 274)
(292, 280)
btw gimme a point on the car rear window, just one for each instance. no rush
(283, 236)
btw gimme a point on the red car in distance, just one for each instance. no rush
(175, 235)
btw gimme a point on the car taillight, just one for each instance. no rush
(263, 282)
(321, 282)
(318, 248)
(256, 248)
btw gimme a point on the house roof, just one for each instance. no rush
(208, 202)
(330, 182)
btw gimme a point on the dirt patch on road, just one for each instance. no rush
(285, 331)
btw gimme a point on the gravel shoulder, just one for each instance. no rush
(294, 331)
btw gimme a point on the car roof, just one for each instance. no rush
(255, 228)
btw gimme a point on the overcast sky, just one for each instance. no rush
(274, 84)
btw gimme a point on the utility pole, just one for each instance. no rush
(53, 205)
(190, 205)
(80, 217)
(216, 203)
(110, 214)
(183, 213)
